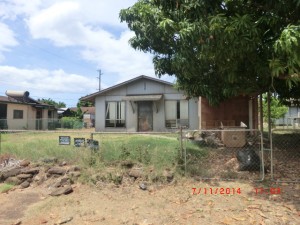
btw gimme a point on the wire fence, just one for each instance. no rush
(226, 154)
(43, 124)
(286, 155)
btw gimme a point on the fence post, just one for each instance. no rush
(181, 144)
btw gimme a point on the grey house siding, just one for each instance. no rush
(293, 112)
(142, 86)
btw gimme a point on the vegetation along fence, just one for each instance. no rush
(225, 154)
(286, 155)
(42, 124)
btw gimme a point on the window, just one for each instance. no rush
(115, 114)
(18, 114)
(177, 110)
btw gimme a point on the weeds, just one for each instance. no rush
(5, 187)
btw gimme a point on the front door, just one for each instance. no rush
(145, 116)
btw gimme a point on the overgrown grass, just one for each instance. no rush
(158, 151)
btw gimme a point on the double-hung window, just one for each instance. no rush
(115, 114)
(177, 111)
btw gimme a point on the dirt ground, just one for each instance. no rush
(176, 203)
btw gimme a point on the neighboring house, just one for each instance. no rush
(18, 111)
(64, 112)
(143, 104)
(291, 118)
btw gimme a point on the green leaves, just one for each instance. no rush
(218, 49)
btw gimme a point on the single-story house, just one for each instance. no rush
(143, 104)
(149, 104)
(291, 118)
(18, 112)
(229, 113)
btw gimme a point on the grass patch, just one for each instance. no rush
(157, 151)
(5, 187)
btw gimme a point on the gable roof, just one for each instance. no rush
(91, 97)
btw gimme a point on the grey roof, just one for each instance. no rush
(92, 96)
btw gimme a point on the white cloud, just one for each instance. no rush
(93, 27)
(81, 23)
(57, 81)
(7, 39)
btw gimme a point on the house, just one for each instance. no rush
(143, 104)
(291, 118)
(229, 113)
(18, 112)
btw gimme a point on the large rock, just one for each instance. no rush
(61, 182)
(24, 163)
(25, 184)
(57, 170)
(13, 180)
(30, 170)
(23, 176)
(11, 173)
(62, 191)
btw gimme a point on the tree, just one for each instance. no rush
(277, 109)
(220, 48)
(49, 101)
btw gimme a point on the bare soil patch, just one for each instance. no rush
(159, 204)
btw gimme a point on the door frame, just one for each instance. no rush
(138, 115)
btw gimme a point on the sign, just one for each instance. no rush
(64, 140)
(79, 142)
(94, 145)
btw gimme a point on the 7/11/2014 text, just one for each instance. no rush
(232, 191)
(216, 191)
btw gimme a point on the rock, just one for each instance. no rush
(24, 163)
(64, 163)
(62, 191)
(143, 186)
(19, 222)
(74, 168)
(13, 180)
(232, 164)
(50, 160)
(23, 176)
(169, 175)
(25, 184)
(31, 170)
(75, 174)
(63, 181)
(56, 170)
(136, 173)
(66, 220)
(11, 173)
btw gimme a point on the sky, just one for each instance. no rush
(54, 48)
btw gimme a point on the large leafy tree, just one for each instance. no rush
(221, 48)
(50, 101)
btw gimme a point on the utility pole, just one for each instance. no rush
(99, 79)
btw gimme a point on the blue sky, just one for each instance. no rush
(53, 48)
